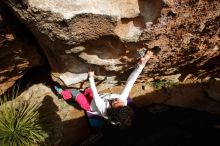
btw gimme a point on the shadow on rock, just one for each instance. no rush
(48, 113)
(159, 124)
(181, 115)
(61, 132)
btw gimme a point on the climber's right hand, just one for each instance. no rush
(91, 73)
(146, 57)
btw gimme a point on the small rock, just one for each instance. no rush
(77, 49)
(169, 3)
(206, 79)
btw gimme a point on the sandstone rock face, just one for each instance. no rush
(17, 54)
(188, 36)
(75, 34)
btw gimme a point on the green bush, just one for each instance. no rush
(159, 84)
(20, 124)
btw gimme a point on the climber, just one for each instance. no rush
(110, 106)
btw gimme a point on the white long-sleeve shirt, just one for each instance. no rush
(100, 103)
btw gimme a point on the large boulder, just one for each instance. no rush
(75, 34)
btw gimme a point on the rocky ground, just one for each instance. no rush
(152, 101)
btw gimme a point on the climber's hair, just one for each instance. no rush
(122, 116)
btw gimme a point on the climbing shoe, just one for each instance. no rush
(58, 89)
